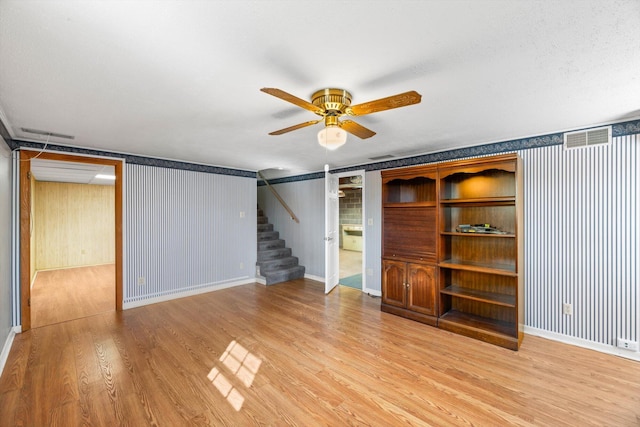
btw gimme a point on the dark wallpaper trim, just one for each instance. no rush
(619, 129)
(140, 160)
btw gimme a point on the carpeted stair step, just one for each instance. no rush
(277, 264)
(270, 244)
(265, 227)
(273, 254)
(278, 276)
(268, 235)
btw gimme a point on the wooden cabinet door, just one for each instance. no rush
(393, 280)
(421, 289)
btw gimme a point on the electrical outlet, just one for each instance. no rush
(241, 214)
(241, 265)
(369, 271)
(567, 309)
(370, 221)
(141, 281)
(627, 344)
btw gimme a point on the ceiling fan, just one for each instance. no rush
(331, 104)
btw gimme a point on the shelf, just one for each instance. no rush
(431, 204)
(455, 233)
(500, 269)
(469, 321)
(481, 201)
(481, 296)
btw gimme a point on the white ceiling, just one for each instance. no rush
(181, 79)
(79, 173)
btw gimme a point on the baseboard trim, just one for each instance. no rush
(373, 292)
(6, 349)
(188, 293)
(312, 277)
(579, 342)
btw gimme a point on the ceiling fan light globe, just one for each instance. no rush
(332, 137)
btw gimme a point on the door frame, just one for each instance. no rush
(25, 224)
(362, 173)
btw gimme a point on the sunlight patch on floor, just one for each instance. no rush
(240, 363)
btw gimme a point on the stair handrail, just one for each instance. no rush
(282, 202)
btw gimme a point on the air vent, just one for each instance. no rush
(586, 138)
(383, 157)
(47, 133)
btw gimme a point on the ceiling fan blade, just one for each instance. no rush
(293, 99)
(395, 101)
(356, 129)
(296, 127)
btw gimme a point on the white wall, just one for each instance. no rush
(186, 232)
(6, 333)
(373, 239)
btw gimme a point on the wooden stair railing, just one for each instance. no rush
(282, 202)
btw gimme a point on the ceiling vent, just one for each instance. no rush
(586, 138)
(383, 157)
(47, 133)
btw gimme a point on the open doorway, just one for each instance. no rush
(351, 214)
(68, 267)
(73, 249)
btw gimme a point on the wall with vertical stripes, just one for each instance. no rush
(582, 240)
(186, 231)
(372, 231)
(306, 239)
(6, 204)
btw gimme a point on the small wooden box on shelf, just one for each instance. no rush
(478, 215)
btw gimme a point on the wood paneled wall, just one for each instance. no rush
(73, 224)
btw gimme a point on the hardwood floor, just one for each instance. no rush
(72, 293)
(289, 355)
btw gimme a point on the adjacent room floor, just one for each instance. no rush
(351, 268)
(72, 293)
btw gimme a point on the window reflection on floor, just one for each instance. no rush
(240, 363)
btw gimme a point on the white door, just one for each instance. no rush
(331, 240)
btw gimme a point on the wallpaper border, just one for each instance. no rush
(618, 129)
(140, 160)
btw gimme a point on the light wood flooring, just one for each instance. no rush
(72, 293)
(289, 355)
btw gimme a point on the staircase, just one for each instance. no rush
(275, 262)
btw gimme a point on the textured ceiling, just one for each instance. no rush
(181, 79)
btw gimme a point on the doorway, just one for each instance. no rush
(27, 247)
(351, 222)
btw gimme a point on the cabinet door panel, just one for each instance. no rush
(409, 232)
(422, 288)
(393, 289)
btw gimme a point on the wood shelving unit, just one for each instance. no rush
(477, 276)
(480, 277)
(409, 243)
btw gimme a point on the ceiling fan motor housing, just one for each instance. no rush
(333, 101)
